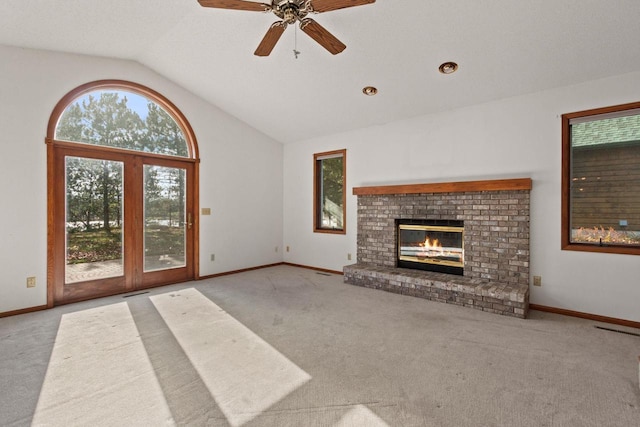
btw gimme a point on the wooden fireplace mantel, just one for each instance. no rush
(447, 187)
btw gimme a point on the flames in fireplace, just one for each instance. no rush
(432, 246)
(434, 249)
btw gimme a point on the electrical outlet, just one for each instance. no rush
(349, 257)
(205, 211)
(31, 282)
(213, 257)
(537, 281)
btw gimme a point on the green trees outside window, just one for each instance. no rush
(122, 120)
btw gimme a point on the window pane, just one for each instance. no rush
(605, 181)
(332, 193)
(94, 219)
(121, 119)
(165, 222)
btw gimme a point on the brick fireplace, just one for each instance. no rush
(495, 214)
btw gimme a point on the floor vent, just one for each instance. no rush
(618, 331)
(133, 295)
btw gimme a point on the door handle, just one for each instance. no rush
(189, 223)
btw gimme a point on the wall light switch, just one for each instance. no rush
(31, 282)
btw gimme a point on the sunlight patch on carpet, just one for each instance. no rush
(99, 374)
(244, 374)
(360, 415)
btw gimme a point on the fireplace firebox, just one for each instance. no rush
(432, 245)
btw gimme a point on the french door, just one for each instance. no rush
(121, 222)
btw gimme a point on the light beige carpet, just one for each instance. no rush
(285, 346)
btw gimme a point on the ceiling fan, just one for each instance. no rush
(290, 12)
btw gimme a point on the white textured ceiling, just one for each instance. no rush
(504, 48)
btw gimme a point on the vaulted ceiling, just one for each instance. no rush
(503, 47)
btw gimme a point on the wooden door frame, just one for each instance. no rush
(53, 146)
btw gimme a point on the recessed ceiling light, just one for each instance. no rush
(448, 67)
(369, 90)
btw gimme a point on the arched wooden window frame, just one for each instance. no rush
(52, 144)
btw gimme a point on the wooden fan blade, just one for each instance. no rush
(322, 36)
(271, 38)
(327, 5)
(236, 4)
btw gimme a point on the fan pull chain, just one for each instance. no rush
(296, 52)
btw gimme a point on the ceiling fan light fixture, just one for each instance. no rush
(290, 12)
(369, 90)
(448, 67)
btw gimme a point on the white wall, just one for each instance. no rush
(243, 174)
(510, 138)
(240, 170)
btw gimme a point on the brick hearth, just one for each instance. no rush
(485, 295)
(496, 242)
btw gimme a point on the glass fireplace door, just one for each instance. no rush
(431, 247)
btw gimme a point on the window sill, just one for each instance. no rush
(330, 231)
(609, 249)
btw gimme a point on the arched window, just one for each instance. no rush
(122, 115)
(121, 119)
(122, 178)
